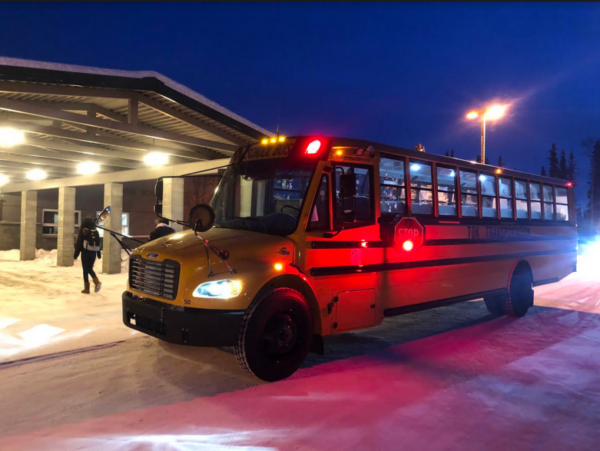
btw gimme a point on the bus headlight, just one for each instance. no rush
(220, 289)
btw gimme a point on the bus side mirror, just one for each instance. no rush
(158, 193)
(201, 217)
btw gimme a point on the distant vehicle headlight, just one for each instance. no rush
(219, 289)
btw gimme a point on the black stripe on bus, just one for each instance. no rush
(440, 242)
(348, 244)
(357, 269)
(461, 241)
(442, 302)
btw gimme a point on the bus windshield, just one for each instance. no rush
(262, 196)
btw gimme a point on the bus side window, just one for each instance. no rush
(521, 196)
(562, 204)
(392, 184)
(362, 201)
(421, 192)
(319, 215)
(536, 200)
(506, 206)
(446, 181)
(548, 203)
(488, 195)
(468, 194)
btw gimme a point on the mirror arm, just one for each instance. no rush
(120, 234)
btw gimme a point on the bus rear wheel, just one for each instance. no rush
(520, 294)
(276, 334)
(495, 304)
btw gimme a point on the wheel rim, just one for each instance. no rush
(281, 334)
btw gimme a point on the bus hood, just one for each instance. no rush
(245, 249)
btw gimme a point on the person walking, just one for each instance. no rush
(162, 229)
(88, 245)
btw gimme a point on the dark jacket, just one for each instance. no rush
(159, 232)
(88, 240)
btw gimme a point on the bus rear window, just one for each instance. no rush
(562, 204)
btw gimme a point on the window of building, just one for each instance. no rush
(362, 201)
(487, 183)
(421, 192)
(562, 204)
(319, 217)
(506, 203)
(124, 224)
(50, 222)
(548, 203)
(535, 194)
(392, 183)
(521, 197)
(468, 194)
(446, 182)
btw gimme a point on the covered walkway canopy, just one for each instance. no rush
(54, 117)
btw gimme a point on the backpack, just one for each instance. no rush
(92, 241)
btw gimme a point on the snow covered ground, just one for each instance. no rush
(444, 379)
(43, 310)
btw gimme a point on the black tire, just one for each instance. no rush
(495, 304)
(520, 296)
(276, 334)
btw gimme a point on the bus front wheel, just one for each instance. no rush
(276, 334)
(520, 296)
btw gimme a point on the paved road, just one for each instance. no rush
(451, 378)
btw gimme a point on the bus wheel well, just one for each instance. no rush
(520, 267)
(294, 282)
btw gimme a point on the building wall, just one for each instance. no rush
(138, 201)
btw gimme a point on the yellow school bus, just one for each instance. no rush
(311, 236)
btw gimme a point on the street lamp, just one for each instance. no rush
(493, 113)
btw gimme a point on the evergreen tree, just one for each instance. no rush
(478, 158)
(562, 166)
(452, 153)
(543, 172)
(447, 154)
(571, 168)
(553, 158)
(500, 163)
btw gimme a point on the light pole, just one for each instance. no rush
(492, 113)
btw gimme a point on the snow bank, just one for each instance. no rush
(48, 258)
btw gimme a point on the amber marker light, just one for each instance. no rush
(265, 141)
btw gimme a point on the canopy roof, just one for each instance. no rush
(71, 114)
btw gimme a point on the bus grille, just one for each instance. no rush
(156, 278)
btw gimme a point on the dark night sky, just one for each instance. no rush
(396, 73)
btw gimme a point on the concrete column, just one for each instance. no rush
(28, 224)
(111, 255)
(66, 226)
(173, 200)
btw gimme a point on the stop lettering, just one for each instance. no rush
(409, 234)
